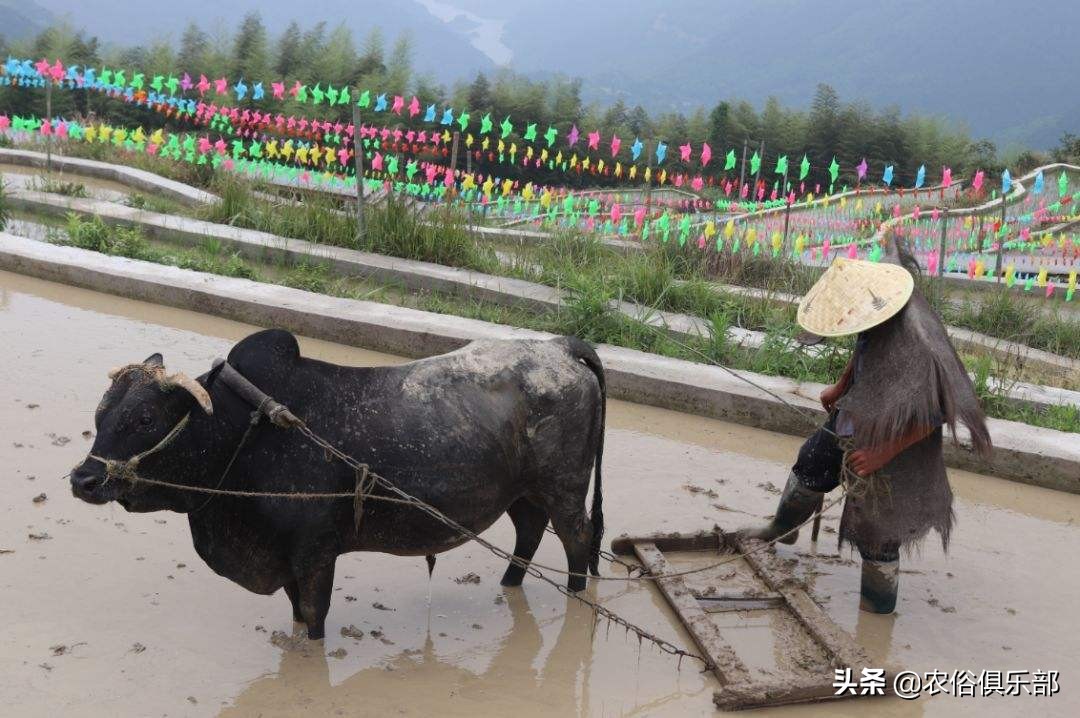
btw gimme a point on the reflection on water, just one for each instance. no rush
(519, 675)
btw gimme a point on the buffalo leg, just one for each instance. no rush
(529, 522)
(575, 532)
(315, 591)
(292, 590)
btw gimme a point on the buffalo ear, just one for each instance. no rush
(154, 360)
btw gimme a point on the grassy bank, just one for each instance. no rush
(666, 277)
(587, 314)
(1003, 315)
(390, 228)
(5, 213)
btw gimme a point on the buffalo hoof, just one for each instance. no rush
(316, 633)
(576, 583)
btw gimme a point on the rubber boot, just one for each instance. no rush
(880, 581)
(797, 504)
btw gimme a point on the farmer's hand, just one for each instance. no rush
(831, 395)
(866, 461)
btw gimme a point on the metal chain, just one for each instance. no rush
(406, 498)
(527, 566)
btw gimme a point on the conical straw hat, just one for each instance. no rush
(852, 296)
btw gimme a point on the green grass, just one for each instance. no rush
(995, 402)
(666, 276)
(151, 203)
(5, 213)
(1004, 315)
(441, 237)
(587, 314)
(663, 277)
(95, 235)
(309, 277)
(56, 186)
(391, 228)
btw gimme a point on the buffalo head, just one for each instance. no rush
(143, 410)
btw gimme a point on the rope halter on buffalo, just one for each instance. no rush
(368, 482)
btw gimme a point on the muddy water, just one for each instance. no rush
(113, 614)
(18, 176)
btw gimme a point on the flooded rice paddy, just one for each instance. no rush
(113, 614)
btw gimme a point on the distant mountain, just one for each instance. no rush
(1006, 69)
(22, 19)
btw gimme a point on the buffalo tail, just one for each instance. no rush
(587, 356)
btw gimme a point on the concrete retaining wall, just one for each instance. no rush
(412, 274)
(129, 176)
(426, 276)
(1022, 453)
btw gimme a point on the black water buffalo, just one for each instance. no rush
(493, 427)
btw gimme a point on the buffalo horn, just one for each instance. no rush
(194, 388)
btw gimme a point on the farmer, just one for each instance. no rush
(883, 436)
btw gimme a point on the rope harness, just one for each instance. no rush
(126, 469)
(367, 481)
